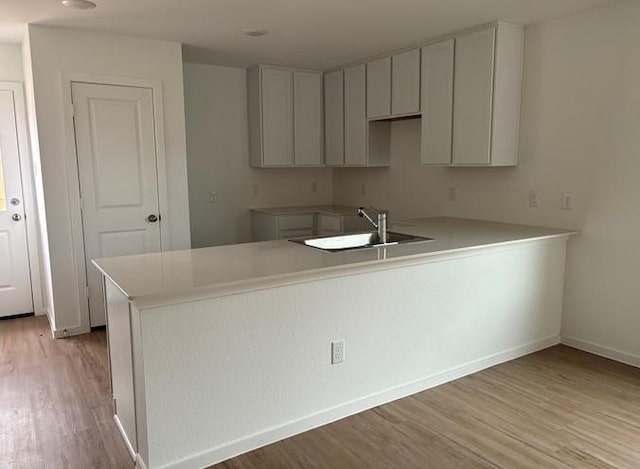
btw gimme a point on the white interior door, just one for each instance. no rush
(116, 150)
(15, 282)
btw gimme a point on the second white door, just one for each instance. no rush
(116, 149)
(15, 282)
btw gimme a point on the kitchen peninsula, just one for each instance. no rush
(217, 351)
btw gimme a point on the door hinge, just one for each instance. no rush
(115, 405)
(81, 204)
(86, 288)
(72, 109)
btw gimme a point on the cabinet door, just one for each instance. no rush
(277, 117)
(355, 116)
(437, 102)
(307, 118)
(379, 88)
(405, 95)
(473, 98)
(334, 118)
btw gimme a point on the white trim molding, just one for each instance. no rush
(602, 350)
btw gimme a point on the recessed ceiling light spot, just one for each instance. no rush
(255, 32)
(79, 4)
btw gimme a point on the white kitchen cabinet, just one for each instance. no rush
(334, 118)
(355, 116)
(328, 225)
(266, 226)
(487, 83)
(437, 102)
(285, 125)
(288, 223)
(405, 83)
(379, 88)
(307, 114)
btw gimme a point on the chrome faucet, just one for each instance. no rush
(381, 226)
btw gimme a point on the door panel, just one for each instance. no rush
(116, 151)
(277, 117)
(15, 282)
(307, 115)
(473, 97)
(355, 116)
(437, 102)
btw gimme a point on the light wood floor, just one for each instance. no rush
(556, 408)
(55, 408)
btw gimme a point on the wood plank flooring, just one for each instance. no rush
(557, 408)
(55, 405)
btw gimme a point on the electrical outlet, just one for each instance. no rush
(213, 197)
(363, 189)
(568, 201)
(453, 194)
(533, 198)
(337, 352)
(314, 186)
(255, 190)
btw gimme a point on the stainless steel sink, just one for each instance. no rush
(357, 241)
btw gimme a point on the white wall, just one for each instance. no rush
(406, 189)
(217, 146)
(579, 133)
(53, 52)
(11, 62)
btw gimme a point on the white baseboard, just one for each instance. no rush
(132, 452)
(289, 429)
(59, 334)
(140, 463)
(601, 350)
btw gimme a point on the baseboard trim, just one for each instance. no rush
(60, 334)
(140, 463)
(132, 452)
(601, 350)
(289, 429)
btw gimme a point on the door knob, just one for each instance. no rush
(152, 218)
(16, 217)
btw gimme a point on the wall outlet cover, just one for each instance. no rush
(337, 352)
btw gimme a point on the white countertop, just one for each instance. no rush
(339, 210)
(179, 276)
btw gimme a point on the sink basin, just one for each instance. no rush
(357, 241)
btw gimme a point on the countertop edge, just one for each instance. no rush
(151, 301)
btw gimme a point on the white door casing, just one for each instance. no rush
(117, 168)
(15, 283)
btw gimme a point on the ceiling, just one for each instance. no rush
(307, 33)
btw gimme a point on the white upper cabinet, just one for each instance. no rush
(307, 115)
(282, 131)
(334, 118)
(355, 116)
(393, 85)
(379, 88)
(405, 83)
(473, 97)
(437, 102)
(486, 96)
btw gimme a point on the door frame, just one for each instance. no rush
(73, 177)
(28, 193)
